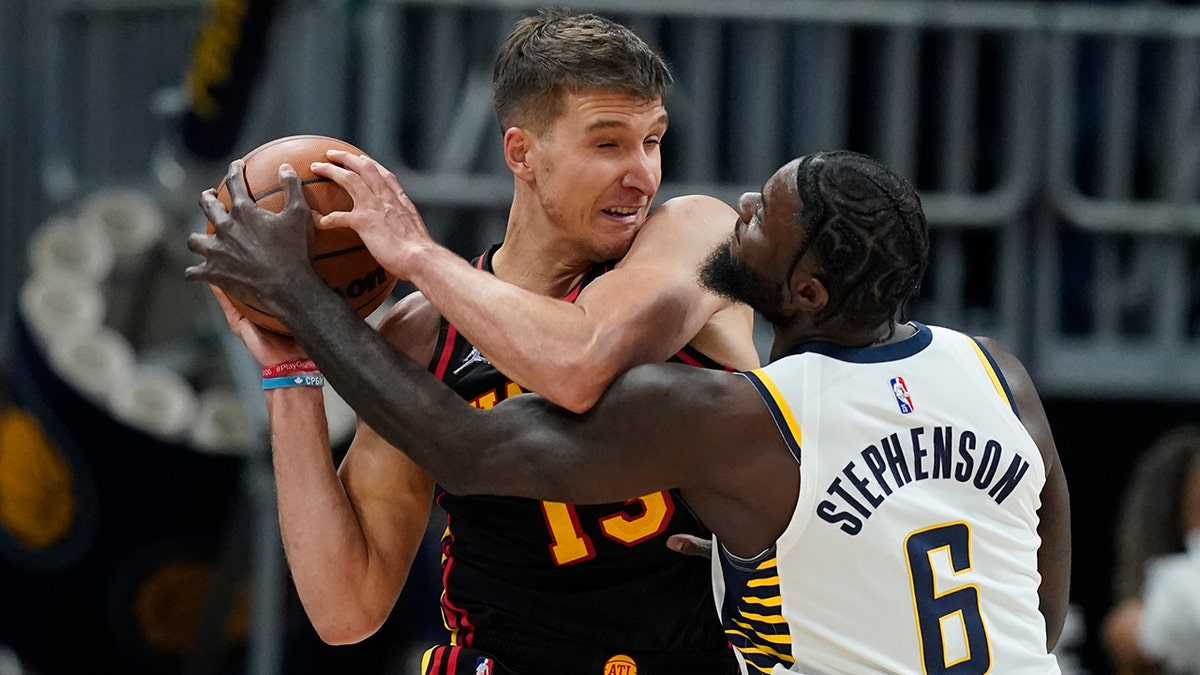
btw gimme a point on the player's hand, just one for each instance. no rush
(383, 215)
(254, 254)
(689, 545)
(267, 347)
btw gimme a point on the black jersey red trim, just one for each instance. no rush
(552, 588)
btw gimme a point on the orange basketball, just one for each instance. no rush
(338, 256)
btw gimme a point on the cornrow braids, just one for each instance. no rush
(867, 228)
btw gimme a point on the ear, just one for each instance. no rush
(518, 144)
(808, 293)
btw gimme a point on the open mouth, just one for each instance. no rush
(621, 211)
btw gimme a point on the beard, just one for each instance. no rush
(730, 278)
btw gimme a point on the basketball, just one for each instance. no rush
(339, 255)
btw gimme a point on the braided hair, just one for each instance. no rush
(866, 226)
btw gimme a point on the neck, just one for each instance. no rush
(839, 333)
(538, 262)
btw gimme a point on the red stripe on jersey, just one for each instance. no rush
(447, 349)
(451, 337)
(574, 292)
(455, 617)
(693, 357)
(435, 661)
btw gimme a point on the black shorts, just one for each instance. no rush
(458, 660)
(455, 660)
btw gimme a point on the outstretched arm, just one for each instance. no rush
(1054, 516)
(658, 426)
(526, 446)
(264, 257)
(350, 533)
(706, 432)
(644, 311)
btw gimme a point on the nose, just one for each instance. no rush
(644, 173)
(746, 205)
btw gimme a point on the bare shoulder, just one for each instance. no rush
(682, 228)
(696, 215)
(1019, 382)
(683, 232)
(1025, 394)
(411, 325)
(693, 206)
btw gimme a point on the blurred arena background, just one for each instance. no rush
(1056, 144)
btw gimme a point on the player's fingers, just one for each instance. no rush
(233, 317)
(214, 210)
(689, 545)
(335, 220)
(370, 171)
(196, 272)
(200, 243)
(394, 186)
(349, 181)
(293, 188)
(223, 300)
(235, 182)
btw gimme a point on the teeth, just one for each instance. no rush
(623, 211)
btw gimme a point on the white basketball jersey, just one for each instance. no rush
(913, 548)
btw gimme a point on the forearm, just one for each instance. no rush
(322, 537)
(567, 352)
(395, 396)
(538, 341)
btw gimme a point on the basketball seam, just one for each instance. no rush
(365, 301)
(341, 251)
(279, 188)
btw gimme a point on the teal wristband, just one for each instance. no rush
(297, 380)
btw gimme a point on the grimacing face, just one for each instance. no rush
(598, 168)
(754, 266)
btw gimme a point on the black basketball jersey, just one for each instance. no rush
(548, 587)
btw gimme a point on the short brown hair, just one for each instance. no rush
(555, 51)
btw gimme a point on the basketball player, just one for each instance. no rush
(886, 496)
(582, 288)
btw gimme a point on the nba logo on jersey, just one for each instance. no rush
(901, 391)
(483, 666)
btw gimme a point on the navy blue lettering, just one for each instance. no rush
(874, 461)
(835, 488)
(942, 444)
(919, 453)
(1014, 474)
(988, 464)
(967, 459)
(861, 484)
(828, 512)
(966, 443)
(891, 450)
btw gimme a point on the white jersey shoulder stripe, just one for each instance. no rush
(778, 407)
(994, 374)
